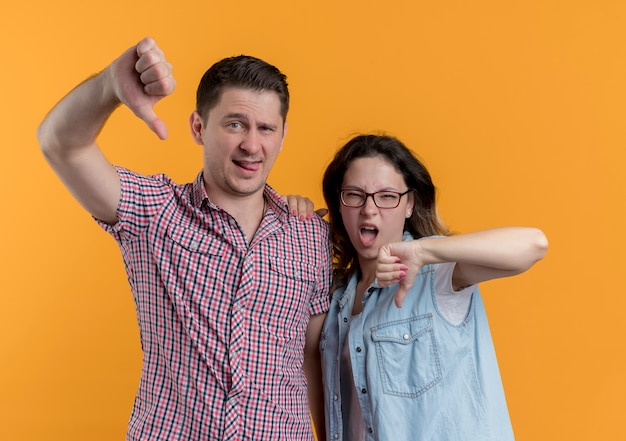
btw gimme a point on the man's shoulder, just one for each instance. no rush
(137, 185)
(316, 226)
(156, 178)
(281, 208)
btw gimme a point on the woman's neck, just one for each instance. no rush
(367, 272)
(366, 278)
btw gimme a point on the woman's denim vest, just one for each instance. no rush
(418, 377)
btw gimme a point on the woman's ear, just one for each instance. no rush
(410, 204)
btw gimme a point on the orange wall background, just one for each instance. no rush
(517, 107)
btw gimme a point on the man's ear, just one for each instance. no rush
(196, 124)
(284, 135)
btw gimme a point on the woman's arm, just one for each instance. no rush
(313, 370)
(479, 256)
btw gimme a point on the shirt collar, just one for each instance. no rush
(276, 203)
(198, 197)
(198, 192)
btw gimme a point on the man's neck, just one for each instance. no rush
(248, 211)
(249, 221)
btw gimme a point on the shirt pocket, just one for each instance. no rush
(192, 267)
(295, 279)
(286, 304)
(407, 356)
(194, 241)
(294, 269)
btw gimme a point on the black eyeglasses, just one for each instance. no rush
(382, 199)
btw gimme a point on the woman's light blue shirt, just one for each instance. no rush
(417, 376)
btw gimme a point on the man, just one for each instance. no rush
(230, 290)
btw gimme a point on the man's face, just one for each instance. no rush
(241, 137)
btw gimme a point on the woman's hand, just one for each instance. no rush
(303, 207)
(399, 262)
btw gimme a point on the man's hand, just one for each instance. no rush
(140, 77)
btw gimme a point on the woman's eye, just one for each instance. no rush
(388, 196)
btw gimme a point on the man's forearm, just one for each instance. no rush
(77, 119)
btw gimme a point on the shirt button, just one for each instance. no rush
(363, 391)
(358, 348)
(336, 436)
(345, 319)
(194, 245)
(335, 397)
(370, 430)
(405, 336)
(371, 290)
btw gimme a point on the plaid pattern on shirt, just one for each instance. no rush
(222, 322)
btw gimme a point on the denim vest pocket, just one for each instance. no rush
(407, 356)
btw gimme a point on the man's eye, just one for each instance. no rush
(234, 125)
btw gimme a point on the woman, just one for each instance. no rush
(406, 348)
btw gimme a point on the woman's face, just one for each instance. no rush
(370, 227)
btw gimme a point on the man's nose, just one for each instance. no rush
(251, 142)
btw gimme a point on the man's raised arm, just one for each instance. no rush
(139, 78)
